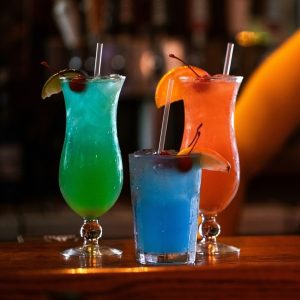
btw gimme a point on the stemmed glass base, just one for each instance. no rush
(91, 231)
(215, 248)
(208, 246)
(95, 251)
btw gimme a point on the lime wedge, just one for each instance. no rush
(52, 85)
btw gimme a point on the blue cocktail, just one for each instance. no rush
(165, 198)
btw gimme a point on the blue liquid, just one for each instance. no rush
(165, 203)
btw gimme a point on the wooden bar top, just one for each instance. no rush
(268, 268)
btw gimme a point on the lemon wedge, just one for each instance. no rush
(209, 159)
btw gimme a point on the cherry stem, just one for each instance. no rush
(196, 138)
(189, 66)
(46, 65)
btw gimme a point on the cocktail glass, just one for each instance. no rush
(165, 192)
(91, 171)
(211, 101)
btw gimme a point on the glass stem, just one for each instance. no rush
(91, 231)
(209, 230)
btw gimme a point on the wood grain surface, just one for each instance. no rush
(267, 268)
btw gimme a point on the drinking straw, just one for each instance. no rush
(228, 58)
(98, 59)
(165, 117)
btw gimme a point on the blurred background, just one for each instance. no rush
(138, 35)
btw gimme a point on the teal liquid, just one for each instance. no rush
(165, 205)
(91, 173)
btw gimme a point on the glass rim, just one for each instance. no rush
(163, 156)
(214, 78)
(97, 78)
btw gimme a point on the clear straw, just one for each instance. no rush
(98, 59)
(165, 117)
(228, 58)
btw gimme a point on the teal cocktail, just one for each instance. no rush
(91, 172)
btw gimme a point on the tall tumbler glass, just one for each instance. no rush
(165, 192)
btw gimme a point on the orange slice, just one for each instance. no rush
(162, 86)
(52, 85)
(209, 159)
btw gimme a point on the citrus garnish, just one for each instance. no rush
(52, 85)
(209, 159)
(175, 74)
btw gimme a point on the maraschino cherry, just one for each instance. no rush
(78, 83)
(201, 80)
(185, 163)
